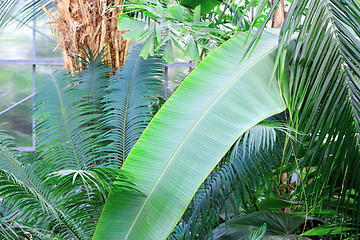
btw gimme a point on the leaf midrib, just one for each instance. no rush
(62, 107)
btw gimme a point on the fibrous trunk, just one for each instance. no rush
(89, 23)
(279, 15)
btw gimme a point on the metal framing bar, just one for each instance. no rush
(16, 104)
(32, 62)
(34, 31)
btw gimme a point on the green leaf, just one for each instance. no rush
(258, 233)
(216, 103)
(168, 53)
(327, 230)
(177, 13)
(206, 5)
(137, 28)
(278, 226)
(148, 48)
(197, 14)
(192, 50)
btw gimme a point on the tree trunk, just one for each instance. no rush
(279, 15)
(89, 23)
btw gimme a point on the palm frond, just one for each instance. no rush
(18, 181)
(25, 11)
(128, 104)
(323, 95)
(94, 75)
(15, 230)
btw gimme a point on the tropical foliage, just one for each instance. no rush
(60, 191)
(261, 140)
(318, 77)
(193, 27)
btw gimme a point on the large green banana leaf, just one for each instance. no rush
(216, 103)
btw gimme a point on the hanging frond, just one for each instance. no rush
(323, 97)
(128, 104)
(24, 11)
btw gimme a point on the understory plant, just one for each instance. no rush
(86, 122)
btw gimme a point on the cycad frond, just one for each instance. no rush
(19, 184)
(14, 230)
(233, 182)
(28, 197)
(128, 104)
(323, 95)
(65, 137)
(94, 75)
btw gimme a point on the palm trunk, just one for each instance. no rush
(89, 23)
(279, 15)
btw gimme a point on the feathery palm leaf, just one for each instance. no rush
(25, 11)
(15, 230)
(94, 75)
(27, 195)
(323, 95)
(128, 104)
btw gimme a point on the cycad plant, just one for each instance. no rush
(59, 191)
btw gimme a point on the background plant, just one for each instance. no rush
(59, 191)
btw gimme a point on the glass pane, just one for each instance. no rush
(17, 122)
(46, 48)
(16, 43)
(16, 84)
(47, 69)
(176, 76)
